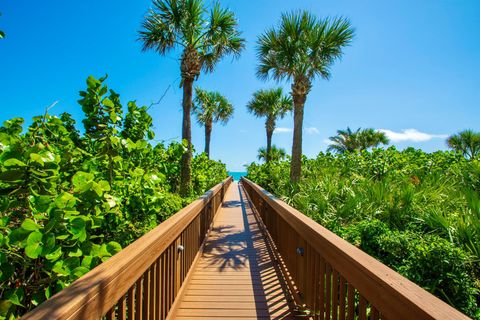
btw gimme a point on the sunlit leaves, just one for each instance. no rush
(69, 202)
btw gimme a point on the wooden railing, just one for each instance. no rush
(334, 279)
(142, 280)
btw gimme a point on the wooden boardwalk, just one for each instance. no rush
(236, 277)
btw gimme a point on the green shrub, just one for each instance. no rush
(70, 201)
(405, 208)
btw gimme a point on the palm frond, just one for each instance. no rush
(211, 107)
(302, 46)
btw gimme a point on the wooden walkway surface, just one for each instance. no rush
(236, 277)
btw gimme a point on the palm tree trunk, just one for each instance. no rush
(296, 163)
(185, 170)
(270, 126)
(208, 133)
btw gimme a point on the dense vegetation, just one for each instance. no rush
(419, 213)
(69, 201)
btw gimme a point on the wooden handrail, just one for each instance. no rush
(142, 280)
(334, 278)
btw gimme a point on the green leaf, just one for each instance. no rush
(2, 35)
(58, 268)
(34, 245)
(37, 158)
(55, 255)
(30, 225)
(48, 293)
(113, 247)
(12, 162)
(104, 185)
(79, 271)
(81, 181)
(108, 103)
(65, 200)
(77, 228)
(15, 296)
(97, 188)
(77, 253)
(87, 262)
(92, 82)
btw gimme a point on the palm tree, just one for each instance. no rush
(467, 142)
(301, 49)
(359, 140)
(275, 154)
(272, 104)
(204, 38)
(211, 107)
(2, 34)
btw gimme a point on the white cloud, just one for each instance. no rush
(411, 135)
(309, 130)
(326, 141)
(283, 130)
(312, 130)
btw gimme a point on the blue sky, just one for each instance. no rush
(412, 70)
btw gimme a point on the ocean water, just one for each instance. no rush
(237, 175)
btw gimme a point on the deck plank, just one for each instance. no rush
(236, 276)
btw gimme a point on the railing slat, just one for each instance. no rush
(335, 294)
(322, 289)
(131, 303)
(351, 301)
(328, 284)
(110, 314)
(342, 308)
(139, 299)
(362, 308)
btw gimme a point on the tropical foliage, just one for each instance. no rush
(467, 142)
(417, 212)
(359, 140)
(204, 38)
(211, 107)
(301, 49)
(69, 201)
(2, 34)
(275, 154)
(273, 105)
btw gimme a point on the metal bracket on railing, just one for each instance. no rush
(300, 251)
(180, 248)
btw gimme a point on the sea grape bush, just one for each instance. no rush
(417, 212)
(69, 201)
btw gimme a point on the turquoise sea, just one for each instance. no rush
(237, 175)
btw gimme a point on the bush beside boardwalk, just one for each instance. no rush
(69, 201)
(418, 213)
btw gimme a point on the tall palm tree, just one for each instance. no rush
(301, 49)
(467, 142)
(211, 107)
(204, 38)
(275, 154)
(272, 104)
(361, 139)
